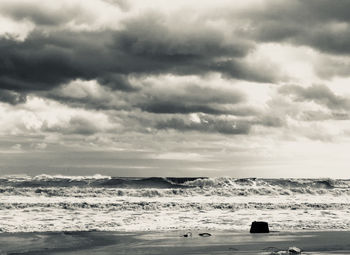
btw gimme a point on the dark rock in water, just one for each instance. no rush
(259, 227)
(188, 234)
(204, 234)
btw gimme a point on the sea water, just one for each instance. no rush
(75, 203)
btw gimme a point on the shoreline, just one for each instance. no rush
(171, 242)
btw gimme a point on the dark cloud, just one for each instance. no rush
(171, 99)
(117, 82)
(41, 15)
(12, 97)
(319, 94)
(190, 99)
(184, 108)
(180, 107)
(323, 24)
(42, 61)
(153, 43)
(146, 45)
(246, 71)
(150, 35)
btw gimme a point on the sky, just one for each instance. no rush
(248, 88)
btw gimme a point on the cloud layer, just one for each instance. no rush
(240, 78)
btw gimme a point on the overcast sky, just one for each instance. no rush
(175, 88)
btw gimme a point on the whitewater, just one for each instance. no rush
(103, 203)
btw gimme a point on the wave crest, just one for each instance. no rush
(99, 185)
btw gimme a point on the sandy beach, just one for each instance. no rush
(334, 242)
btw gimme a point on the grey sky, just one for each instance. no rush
(134, 87)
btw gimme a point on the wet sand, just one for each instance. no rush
(330, 242)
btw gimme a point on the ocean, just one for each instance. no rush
(104, 203)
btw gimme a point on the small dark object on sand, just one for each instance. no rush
(294, 250)
(204, 234)
(188, 234)
(259, 227)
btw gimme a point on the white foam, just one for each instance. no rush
(43, 177)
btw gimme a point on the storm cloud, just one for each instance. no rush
(298, 22)
(47, 59)
(12, 97)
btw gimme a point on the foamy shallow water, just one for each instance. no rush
(60, 203)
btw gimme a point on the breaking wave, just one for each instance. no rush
(98, 185)
(60, 203)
